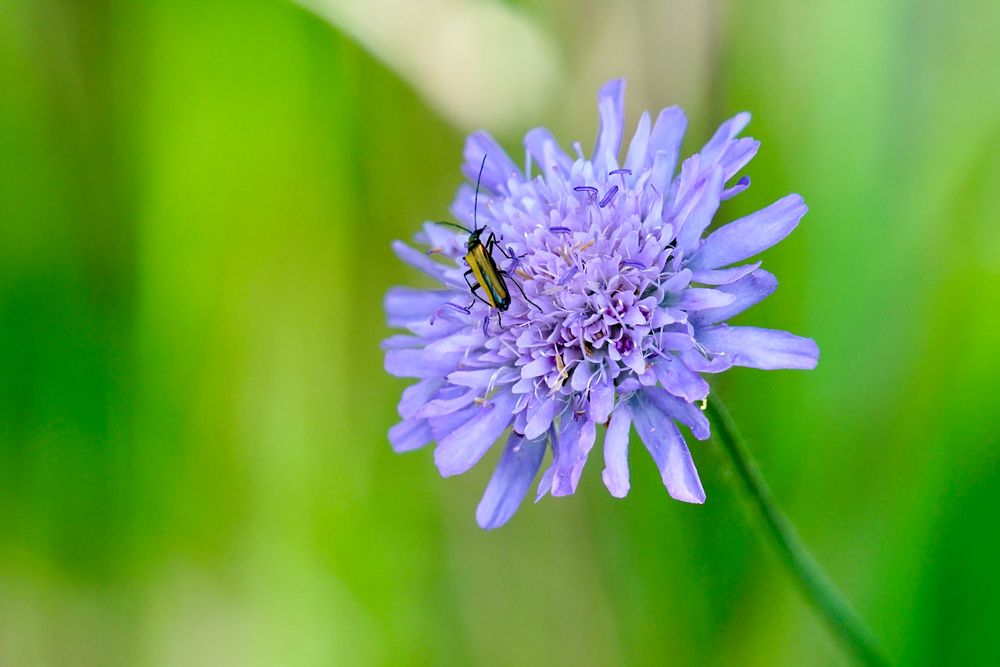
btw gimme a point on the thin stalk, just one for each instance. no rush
(821, 592)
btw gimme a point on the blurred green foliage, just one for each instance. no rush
(196, 204)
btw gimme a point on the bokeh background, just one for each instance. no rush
(196, 206)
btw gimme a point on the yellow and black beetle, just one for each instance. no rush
(479, 256)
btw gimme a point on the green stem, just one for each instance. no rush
(849, 628)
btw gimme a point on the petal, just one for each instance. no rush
(698, 211)
(726, 133)
(443, 405)
(702, 298)
(746, 292)
(602, 400)
(668, 450)
(680, 380)
(444, 425)
(615, 473)
(697, 362)
(736, 154)
(421, 261)
(665, 140)
(768, 349)
(416, 395)
(403, 342)
(463, 447)
(404, 304)
(545, 151)
(635, 159)
(723, 276)
(611, 106)
(540, 419)
(683, 411)
(410, 434)
(575, 442)
(538, 367)
(498, 167)
(421, 363)
(740, 186)
(518, 465)
(749, 235)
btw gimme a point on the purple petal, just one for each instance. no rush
(635, 159)
(545, 483)
(538, 367)
(698, 211)
(498, 168)
(403, 342)
(545, 151)
(463, 447)
(446, 404)
(615, 473)
(767, 349)
(421, 261)
(680, 380)
(404, 304)
(611, 105)
(723, 276)
(421, 363)
(443, 426)
(665, 145)
(410, 434)
(683, 411)
(541, 418)
(575, 442)
(518, 465)
(701, 298)
(749, 235)
(736, 154)
(668, 449)
(746, 292)
(726, 133)
(602, 400)
(416, 395)
(697, 362)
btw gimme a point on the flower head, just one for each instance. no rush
(617, 306)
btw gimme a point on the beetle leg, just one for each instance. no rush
(521, 290)
(473, 288)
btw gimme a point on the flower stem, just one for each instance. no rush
(848, 626)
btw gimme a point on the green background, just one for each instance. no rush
(196, 206)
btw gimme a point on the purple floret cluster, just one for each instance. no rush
(627, 311)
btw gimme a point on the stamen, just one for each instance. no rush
(586, 245)
(609, 196)
(740, 186)
(561, 230)
(521, 272)
(622, 172)
(453, 306)
(587, 188)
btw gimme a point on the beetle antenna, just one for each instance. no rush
(452, 224)
(475, 203)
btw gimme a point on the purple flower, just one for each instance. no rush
(630, 302)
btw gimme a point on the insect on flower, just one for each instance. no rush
(628, 284)
(483, 267)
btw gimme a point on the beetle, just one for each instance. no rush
(479, 256)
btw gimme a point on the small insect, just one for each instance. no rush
(479, 256)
